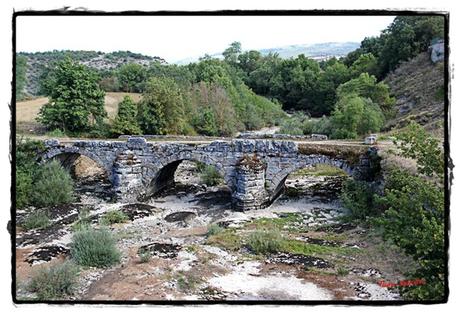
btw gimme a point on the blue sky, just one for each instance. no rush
(178, 37)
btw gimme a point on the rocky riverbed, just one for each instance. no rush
(198, 247)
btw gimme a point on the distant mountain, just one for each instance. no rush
(39, 61)
(317, 51)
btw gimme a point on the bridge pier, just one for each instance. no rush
(127, 176)
(250, 190)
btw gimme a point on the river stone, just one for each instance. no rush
(163, 250)
(182, 216)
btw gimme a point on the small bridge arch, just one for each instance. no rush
(68, 154)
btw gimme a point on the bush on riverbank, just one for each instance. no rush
(39, 185)
(54, 282)
(53, 185)
(36, 220)
(410, 212)
(94, 247)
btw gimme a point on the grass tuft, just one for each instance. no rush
(93, 247)
(54, 282)
(36, 220)
(113, 217)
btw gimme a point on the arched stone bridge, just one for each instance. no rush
(255, 170)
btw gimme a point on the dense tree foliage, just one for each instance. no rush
(414, 220)
(125, 122)
(76, 100)
(367, 87)
(52, 185)
(409, 211)
(131, 77)
(161, 110)
(21, 67)
(246, 89)
(403, 39)
(417, 144)
(355, 115)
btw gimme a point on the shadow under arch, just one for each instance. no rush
(164, 176)
(279, 179)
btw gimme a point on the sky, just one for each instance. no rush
(174, 38)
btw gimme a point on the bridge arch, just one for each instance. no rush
(71, 153)
(276, 184)
(161, 175)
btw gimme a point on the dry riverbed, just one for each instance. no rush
(323, 258)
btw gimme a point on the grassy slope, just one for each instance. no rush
(27, 111)
(418, 87)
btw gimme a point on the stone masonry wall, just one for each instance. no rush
(254, 169)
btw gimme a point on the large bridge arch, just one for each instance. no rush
(275, 182)
(161, 175)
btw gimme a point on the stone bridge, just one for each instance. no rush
(254, 170)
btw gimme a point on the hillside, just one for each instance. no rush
(319, 51)
(315, 51)
(37, 62)
(418, 86)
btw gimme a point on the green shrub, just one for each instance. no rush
(57, 133)
(226, 239)
(113, 217)
(83, 222)
(125, 122)
(36, 220)
(214, 229)
(54, 282)
(210, 176)
(358, 198)
(341, 271)
(145, 256)
(414, 221)
(265, 241)
(23, 188)
(94, 247)
(53, 185)
(26, 168)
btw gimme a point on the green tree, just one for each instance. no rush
(205, 122)
(249, 61)
(414, 211)
(232, 52)
(161, 110)
(414, 220)
(132, 77)
(76, 100)
(125, 122)
(21, 67)
(354, 115)
(416, 143)
(366, 63)
(366, 86)
(324, 92)
(406, 37)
